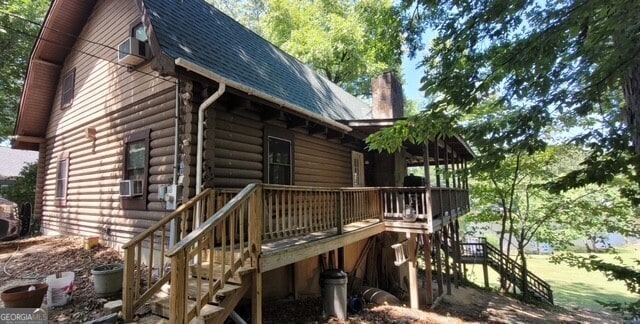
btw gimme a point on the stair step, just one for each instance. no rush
(161, 305)
(228, 296)
(217, 271)
(227, 290)
(193, 287)
(209, 311)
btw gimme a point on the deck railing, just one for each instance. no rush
(232, 229)
(146, 261)
(292, 211)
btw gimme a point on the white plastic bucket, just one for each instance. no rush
(60, 289)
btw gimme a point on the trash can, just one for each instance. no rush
(334, 293)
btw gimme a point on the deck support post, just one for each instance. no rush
(445, 246)
(428, 266)
(256, 298)
(454, 255)
(438, 243)
(456, 234)
(413, 269)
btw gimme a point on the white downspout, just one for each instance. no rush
(203, 106)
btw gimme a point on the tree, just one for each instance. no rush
(15, 47)
(24, 189)
(246, 12)
(514, 195)
(349, 42)
(558, 64)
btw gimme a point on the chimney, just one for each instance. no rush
(388, 100)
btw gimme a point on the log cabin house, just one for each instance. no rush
(222, 166)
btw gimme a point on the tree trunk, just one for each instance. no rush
(524, 285)
(503, 280)
(631, 90)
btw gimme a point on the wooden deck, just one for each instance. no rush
(277, 253)
(264, 227)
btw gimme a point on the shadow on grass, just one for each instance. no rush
(568, 293)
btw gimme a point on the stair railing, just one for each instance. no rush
(507, 267)
(146, 260)
(229, 236)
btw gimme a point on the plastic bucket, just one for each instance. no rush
(60, 289)
(107, 279)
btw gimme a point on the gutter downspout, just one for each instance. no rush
(203, 106)
(176, 135)
(173, 227)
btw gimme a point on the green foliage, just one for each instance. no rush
(415, 129)
(15, 47)
(24, 189)
(411, 107)
(540, 65)
(512, 192)
(627, 273)
(350, 42)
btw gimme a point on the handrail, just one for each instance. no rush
(167, 219)
(154, 243)
(215, 250)
(199, 232)
(538, 286)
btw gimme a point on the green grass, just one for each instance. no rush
(573, 287)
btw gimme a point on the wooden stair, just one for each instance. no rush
(532, 287)
(213, 310)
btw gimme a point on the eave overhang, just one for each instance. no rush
(62, 25)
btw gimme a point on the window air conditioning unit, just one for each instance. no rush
(130, 188)
(132, 51)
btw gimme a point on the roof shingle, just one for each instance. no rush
(197, 32)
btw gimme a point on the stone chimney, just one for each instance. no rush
(388, 101)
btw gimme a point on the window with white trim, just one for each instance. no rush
(62, 176)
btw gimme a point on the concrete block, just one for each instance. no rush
(113, 306)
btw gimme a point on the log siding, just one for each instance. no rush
(115, 102)
(237, 147)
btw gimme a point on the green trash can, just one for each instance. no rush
(334, 293)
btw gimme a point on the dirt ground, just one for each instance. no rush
(31, 260)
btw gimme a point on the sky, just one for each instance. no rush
(413, 73)
(412, 76)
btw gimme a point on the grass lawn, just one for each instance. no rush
(573, 287)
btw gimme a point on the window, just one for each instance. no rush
(278, 157)
(62, 177)
(68, 85)
(357, 168)
(279, 161)
(136, 167)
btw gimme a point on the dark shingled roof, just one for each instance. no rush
(198, 32)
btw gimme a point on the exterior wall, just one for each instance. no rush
(321, 163)
(115, 102)
(236, 148)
